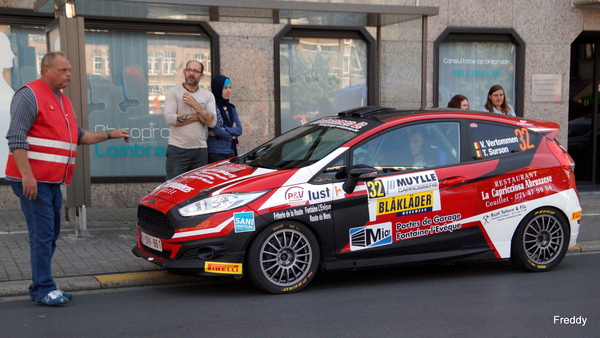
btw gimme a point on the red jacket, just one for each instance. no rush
(52, 138)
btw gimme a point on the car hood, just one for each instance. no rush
(214, 179)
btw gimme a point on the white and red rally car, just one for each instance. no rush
(371, 187)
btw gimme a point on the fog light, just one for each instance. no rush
(205, 253)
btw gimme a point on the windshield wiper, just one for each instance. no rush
(252, 163)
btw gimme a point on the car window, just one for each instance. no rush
(336, 170)
(412, 147)
(298, 148)
(489, 140)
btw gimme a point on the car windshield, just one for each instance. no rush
(297, 148)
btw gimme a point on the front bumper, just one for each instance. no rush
(229, 264)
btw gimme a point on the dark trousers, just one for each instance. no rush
(181, 160)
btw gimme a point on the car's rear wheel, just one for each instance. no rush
(283, 258)
(541, 240)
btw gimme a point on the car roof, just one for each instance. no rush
(384, 114)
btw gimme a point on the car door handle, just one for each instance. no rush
(452, 181)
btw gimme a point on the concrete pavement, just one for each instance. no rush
(101, 257)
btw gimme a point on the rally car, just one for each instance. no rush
(370, 187)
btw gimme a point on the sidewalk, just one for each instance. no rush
(101, 257)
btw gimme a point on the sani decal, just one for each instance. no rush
(370, 236)
(404, 194)
(243, 221)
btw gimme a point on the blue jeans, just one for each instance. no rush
(43, 221)
(181, 160)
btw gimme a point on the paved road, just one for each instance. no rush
(488, 299)
(83, 263)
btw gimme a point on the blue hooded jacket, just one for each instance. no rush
(225, 139)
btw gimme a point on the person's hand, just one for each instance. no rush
(211, 133)
(120, 133)
(30, 189)
(190, 101)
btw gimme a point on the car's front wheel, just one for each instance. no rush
(283, 258)
(541, 240)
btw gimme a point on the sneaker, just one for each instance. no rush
(69, 296)
(53, 298)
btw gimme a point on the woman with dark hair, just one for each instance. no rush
(459, 101)
(222, 140)
(496, 102)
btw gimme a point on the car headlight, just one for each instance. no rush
(219, 203)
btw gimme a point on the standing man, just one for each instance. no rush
(189, 110)
(42, 137)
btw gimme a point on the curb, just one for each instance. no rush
(585, 246)
(83, 283)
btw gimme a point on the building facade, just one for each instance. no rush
(293, 61)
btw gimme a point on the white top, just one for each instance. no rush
(511, 111)
(193, 135)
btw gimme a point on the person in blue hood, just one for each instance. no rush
(223, 138)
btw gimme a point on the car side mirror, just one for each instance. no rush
(359, 173)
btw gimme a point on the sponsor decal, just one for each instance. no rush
(318, 212)
(517, 188)
(231, 167)
(439, 224)
(338, 192)
(405, 194)
(225, 268)
(406, 204)
(243, 221)
(315, 212)
(210, 175)
(294, 195)
(172, 188)
(506, 213)
(341, 124)
(426, 180)
(576, 215)
(370, 236)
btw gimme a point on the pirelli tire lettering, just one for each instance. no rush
(541, 240)
(283, 258)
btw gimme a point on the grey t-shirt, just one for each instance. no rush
(193, 135)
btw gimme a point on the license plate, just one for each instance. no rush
(151, 242)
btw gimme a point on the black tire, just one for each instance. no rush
(541, 240)
(283, 258)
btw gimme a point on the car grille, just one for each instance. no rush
(154, 223)
(162, 255)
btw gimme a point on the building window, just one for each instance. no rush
(169, 63)
(131, 94)
(470, 63)
(153, 61)
(320, 73)
(97, 63)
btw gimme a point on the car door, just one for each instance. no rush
(421, 201)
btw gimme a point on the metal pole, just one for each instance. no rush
(424, 62)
